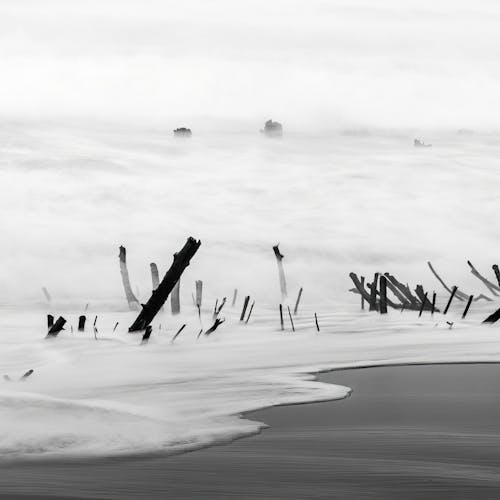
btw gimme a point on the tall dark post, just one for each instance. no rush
(56, 327)
(281, 317)
(281, 272)
(469, 302)
(424, 300)
(362, 297)
(160, 295)
(453, 292)
(81, 323)
(383, 295)
(50, 320)
(497, 273)
(373, 293)
(433, 302)
(298, 302)
(244, 310)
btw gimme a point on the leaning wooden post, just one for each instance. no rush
(362, 297)
(147, 334)
(244, 310)
(373, 293)
(133, 303)
(279, 261)
(250, 312)
(199, 292)
(433, 303)
(295, 309)
(281, 317)
(383, 295)
(466, 310)
(422, 305)
(493, 318)
(290, 316)
(155, 276)
(50, 321)
(175, 301)
(497, 273)
(235, 294)
(56, 327)
(316, 320)
(453, 292)
(160, 295)
(81, 323)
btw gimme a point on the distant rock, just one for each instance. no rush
(272, 129)
(420, 144)
(183, 132)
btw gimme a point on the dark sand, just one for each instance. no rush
(416, 432)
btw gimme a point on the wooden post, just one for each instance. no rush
(433, 303)
(160, 295)
(133, 303)
(466, 310)
(383, 295)
(295, 309)
(244, 310)
(175, 301)
(26, 375)
(497, 273)
(115, 327)
(362, 296)
(212, 329)
(281, 318)
(147, 334)
(235, 294)
(56, 327)
(453, 292)
(281, 272)
(177, 334)
(81, 323)
(50, 321)
(423, 304)
(155, 276)
(316, 320)
(250, 312)
(493, 318)
(290, 316)
(373, 293)
(199, 292)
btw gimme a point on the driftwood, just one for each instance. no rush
(433, 302)
(316, 321)
(56, 327)
(281, 272)
(160, 295)
(295, 309)
(460, 295)
(133, 303)
(177, 334)
(175, 301)
(373, 293)
(411, 301)
(50, 321)
(155, 276)
(245, 305)
(493, 318)
(362, 298)
(383, 295)
(388, 302)
(81, 323)
(422, 305)
(466, 310)
(427, 304)
(147, 334)
(212, 329)
(453, 292)
(489, 285)
(359, 287)
(497, 272)
(281, 318)
(250, 312)
(290, 316)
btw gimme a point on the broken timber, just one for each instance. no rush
(133, 303)
(489, 285)
(56, 327)
(279, 261)
(160, 295)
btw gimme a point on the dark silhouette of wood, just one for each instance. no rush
(155, 275)
(316, 321)
(433, 302)
(422, 306)
(147, 334)
(177, 334)
(460, 295)
(295, 309)
(493, 318)
(244, 310)
(81, 323)
(133, 303)
(175, 300)
(383, 295)
(362, 297)
(466, 310)
(46, 293)
(359, 287)
(221, 305)
(427, 304)
(411, 301)
(396, 292)
(26, 375)
(281, 318)
(50, 321)
(489, 285)
(115, 327)
(160, 295)
(56, 327)
(235, 294)
(452, 294)
(281, 271)
(212, 329)
(497, 272)
(290, 316)
(199, 292)
(250, 312)
(373, 293)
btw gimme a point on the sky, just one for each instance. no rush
(323, 64)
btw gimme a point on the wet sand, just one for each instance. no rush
(409, 432)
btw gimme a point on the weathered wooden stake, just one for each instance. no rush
(433, 303)
(362, 297)
(453, 292)
(244, 310)
(199, 292)
(147, 334)
(493, 318)
(155, 276)
(423, 304)
(466, 310)
(297, 302)
(81, 323)
(497, 273)
(175, 301)
(115, 327)
(177, 334)
(235, 294)
(50, 320)
(281, 317)
(383, 295)
(250, 312)
(290, 316)
(373, 293)
(212, 329)
(133, 303)
(316, 320)
(56, 327)
(26, 375)
(160, 295)
(281, 272)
